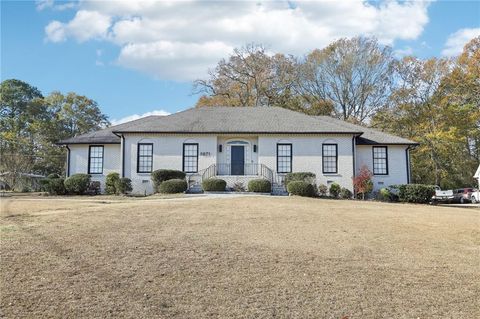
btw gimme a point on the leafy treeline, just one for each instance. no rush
(435, 102)
(31, 124)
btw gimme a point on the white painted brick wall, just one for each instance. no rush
(397, 165)
(307, 156)
(111, 161)
(167, 154)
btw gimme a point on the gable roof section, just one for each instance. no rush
(231, 120)
(371, 136)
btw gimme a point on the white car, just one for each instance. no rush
(475, 197)
(442, 195)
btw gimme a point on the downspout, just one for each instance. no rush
(123, 155)
(407, 160)
(354, 142)
(68, 160)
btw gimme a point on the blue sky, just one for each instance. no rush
(140, 57)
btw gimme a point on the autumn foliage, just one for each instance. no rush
(362, 183)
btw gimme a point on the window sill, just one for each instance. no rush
(331, 174)
(144, 174)
(381, 175)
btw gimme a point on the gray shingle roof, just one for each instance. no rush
(233, 120)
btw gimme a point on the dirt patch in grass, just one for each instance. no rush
(238, 257)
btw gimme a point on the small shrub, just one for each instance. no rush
(259, 186)
(56, 186)
(77, 184)
(384, 195)
(415, 193)
(214, 185)
(345, 193)
(322, 189)
(334, 190)
(238, 187)
(161, 175)
(124, 185)
(307, 177)
(362, 183)
(300, 188)
(110, 181)
(173, 186)
(94, 188)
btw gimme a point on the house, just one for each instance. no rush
(239, 144)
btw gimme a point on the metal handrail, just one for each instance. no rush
(209, 172)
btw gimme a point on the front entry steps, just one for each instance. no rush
(279, 190)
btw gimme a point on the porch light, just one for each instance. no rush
(220, 148)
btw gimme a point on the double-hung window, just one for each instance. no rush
(190, 157)
(380, 160)
(330, 158)
(95, 159)
(284, 158)
(144, 157)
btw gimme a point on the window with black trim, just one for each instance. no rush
(380, 160)
(190, 157)
(144, 158)
(330, 158)
(284, 158)
(95, 159)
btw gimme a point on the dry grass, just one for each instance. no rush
(240, 257)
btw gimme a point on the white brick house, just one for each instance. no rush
(239, 144)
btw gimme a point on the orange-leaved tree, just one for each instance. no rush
(362, 183)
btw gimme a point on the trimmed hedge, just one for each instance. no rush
(415, 193)
(260, 185)
(123, 185)
(161, 175)
(110, 181)
(214, 185)
(173, 186)
(77, 184)
(307, 177)
(54, 186)
(345, 193)
(334, 190)
(300, 188)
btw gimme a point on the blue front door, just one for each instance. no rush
(238, 160)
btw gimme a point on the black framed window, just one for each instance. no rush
(144, 157)
(330, 158)
(95, 159)
(380, 160)
(190, 157)
(284, 158)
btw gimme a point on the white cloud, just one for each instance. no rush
(180, 40)
(137, 116)
(84, 26)
(50, 4)
(456, 41)
(400, 53)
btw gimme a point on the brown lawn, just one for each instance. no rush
(250, 257)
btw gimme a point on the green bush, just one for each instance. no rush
(334, 190)
(300, 188)
(161, 175)
(307, 177)
(53, 175)
(110, 181)
(259, 186)
(123, 185)
(384, 195)
(214, 185)
(173, 186)
(54, 186)
(77, 184)
(322, 190)
(345, 193)
(415, 193)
